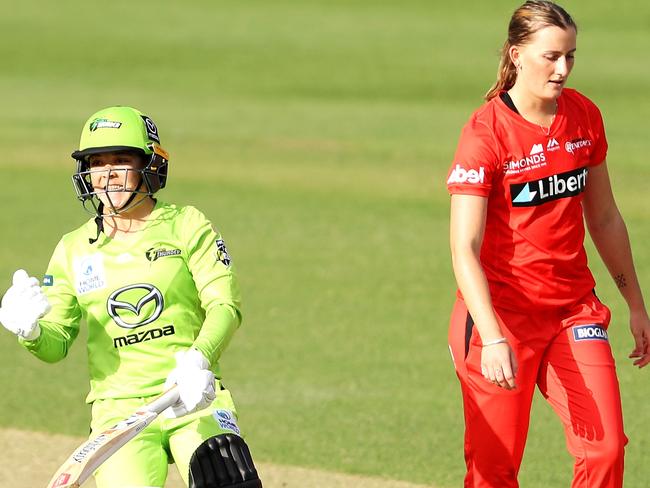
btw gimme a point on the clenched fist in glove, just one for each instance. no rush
(195, 383)
(22, 306)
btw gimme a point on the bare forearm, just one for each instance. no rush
(613, 245)
(476, 293)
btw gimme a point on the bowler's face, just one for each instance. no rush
(546, 61)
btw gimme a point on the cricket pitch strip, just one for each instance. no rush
(19, 467)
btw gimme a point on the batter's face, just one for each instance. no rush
(545, 62)
(114, 177)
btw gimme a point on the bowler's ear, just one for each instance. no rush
(514, 55)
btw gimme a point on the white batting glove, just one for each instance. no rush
(195, 383)
(22, 306)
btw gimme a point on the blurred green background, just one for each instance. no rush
(317, 136)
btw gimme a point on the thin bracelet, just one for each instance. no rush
(495, 341)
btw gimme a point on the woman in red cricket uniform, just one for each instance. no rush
(529, 166)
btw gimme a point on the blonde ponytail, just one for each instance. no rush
(506, 74)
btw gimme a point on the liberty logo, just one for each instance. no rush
(554, 187)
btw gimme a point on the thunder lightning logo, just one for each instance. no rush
(104, 124)
(153, 254)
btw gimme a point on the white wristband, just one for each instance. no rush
(495, 341)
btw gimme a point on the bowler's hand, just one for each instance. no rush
(640, 327)
(499, 365)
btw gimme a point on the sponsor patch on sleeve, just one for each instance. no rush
(462, 175)
(226, 420)
(591, 332)
(221, 252)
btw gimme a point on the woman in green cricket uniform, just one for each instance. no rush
(156, 288)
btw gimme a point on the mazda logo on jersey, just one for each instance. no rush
(547, 189)
(135, 305)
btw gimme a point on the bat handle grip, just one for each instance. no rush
(164, 401)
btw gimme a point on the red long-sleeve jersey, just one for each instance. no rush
(533, 248)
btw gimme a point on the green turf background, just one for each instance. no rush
(316, 135)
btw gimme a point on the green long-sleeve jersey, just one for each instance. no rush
(169, 287)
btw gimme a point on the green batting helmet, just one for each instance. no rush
(116, 129)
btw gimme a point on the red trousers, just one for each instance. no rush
(567, 355)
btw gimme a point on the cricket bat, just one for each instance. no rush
(91, 454)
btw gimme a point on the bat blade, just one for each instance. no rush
(93, 452)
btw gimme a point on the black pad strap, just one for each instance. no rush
(223, 461)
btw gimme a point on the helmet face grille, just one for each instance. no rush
(150, 179)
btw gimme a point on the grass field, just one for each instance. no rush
(316, 135)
